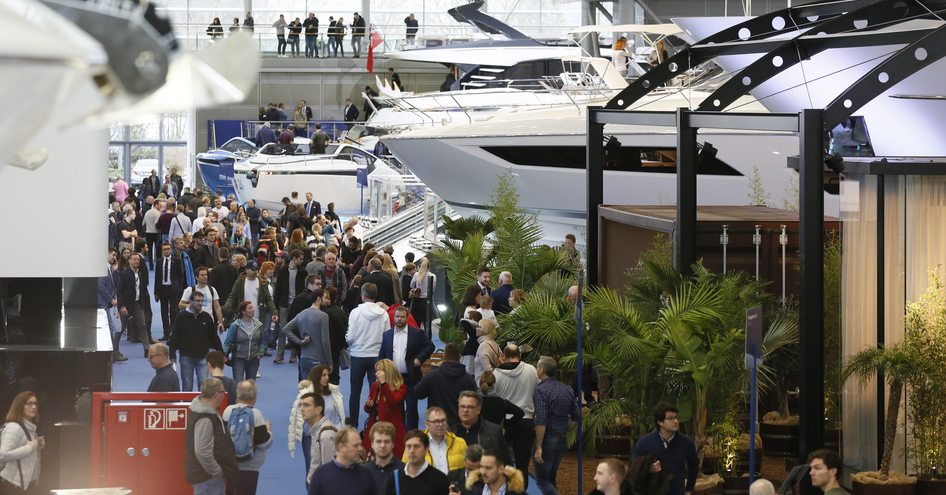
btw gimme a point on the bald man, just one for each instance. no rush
(761, 487)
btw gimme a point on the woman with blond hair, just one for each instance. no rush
(488, 352)
(20, 446)
(387, 266)
(422, 282)
(386, 403)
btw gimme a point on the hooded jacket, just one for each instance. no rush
(366, 326)
(208, 451)
(442, 386)
(295, 416)
(515, 483)
(516, 383)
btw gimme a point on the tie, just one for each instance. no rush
(308, 208)
(137, 287)
(167, 271)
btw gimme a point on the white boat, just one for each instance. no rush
(216, 166)
(277, 170)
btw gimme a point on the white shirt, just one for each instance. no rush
(251, 292)
(502, 490)
(209, 297)
(400, 349)
(438, 454)
(137, 287)
(419, 471)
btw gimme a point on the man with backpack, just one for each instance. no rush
(251, 434)
(312, 407)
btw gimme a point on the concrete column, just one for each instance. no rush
(247, 7)
(588, 17)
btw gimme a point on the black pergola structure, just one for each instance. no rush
(809, 126)
(834, 24)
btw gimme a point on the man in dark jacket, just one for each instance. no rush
(384, 281)
(168, 286)
(674, 451)
(494, 473)
(193, 335)
(132, 298)
(443, 384)
(165, 378)
(224, 274)
(351, 112)
(290, 282)
(410, 343)
(474, 429)
(209, 460)
(265, 134)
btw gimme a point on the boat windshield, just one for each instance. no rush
(238, 146)
(285, 149)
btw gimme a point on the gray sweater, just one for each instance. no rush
(314, 323)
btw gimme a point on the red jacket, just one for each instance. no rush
(389, 405)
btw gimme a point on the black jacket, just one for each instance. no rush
(222, 278)
(442, 386)
(176, 275)
(486, 434)
(126, 287)
(418, 347)
(385, 286)
(193, 335)
(281, 292)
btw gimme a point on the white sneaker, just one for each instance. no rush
(258, 375)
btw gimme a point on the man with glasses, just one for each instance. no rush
(674, 451)
(446, 448)
(165, 378)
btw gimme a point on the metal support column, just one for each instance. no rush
(595, 187)
(811, 261)
(881, 291)
(687, 158)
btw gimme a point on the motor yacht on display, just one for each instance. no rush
(216, 166)
(544, 149)
(275, 170)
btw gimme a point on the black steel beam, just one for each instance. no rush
(901, 65)
(595, 193)
(687, 157)
(881, 313)
(763, 26)
(867, 18)
(811, 262)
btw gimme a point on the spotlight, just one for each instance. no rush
(707, 151)
(835, 162)
(612, 144)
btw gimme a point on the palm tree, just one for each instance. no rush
(900, 365)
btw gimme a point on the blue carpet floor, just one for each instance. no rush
(277, 390)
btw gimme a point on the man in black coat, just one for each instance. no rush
(168, 286)
(351, 112)
(474, 429)
(384, 281)
(443, 384)
(224, 274)
(413, 345)
(132, 297)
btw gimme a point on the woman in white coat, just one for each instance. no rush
(334, 410)
(20, 446)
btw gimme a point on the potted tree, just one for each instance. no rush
(926, 412)
(901, 365)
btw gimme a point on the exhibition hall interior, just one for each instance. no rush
(456, 247)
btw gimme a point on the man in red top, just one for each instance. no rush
(287, 135)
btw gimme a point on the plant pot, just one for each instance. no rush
(715, 490)
(832, 439)
(619, 446)
(779, 440)
(865, 489)
(930, 487)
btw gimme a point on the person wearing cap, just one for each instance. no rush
(249, 288)
(265, 135)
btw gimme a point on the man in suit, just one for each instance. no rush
(290, 282)
(168, 286)
(408, 347)
(312, 207)
(153, 183)
(382, 280)
(351, 112)
(108, 300)
(132, 296)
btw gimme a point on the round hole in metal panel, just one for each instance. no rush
(920, 54)
(860, 23)
(645, 84)
(621, 102)
(778, 23)
(848, 103)
(716, 103)
(746, 81)
(883, 77)
(777, 61)
(745, 34)
(673, 67)
(812, 18)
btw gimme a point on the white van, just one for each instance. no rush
(142, 169)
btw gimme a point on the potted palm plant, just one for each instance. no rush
(901, 365)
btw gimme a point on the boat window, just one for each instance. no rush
(624, 159)
(359, 157)
(330, 149)
(237, 146)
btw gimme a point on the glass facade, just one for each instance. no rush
(158, 143)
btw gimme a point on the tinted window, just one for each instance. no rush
(625, 158)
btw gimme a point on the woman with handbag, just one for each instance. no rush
(386, 403)
(20, 446)
(244, 345)
(422, 282)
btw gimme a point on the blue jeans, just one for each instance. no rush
(245, 369)
(294, 45)
(281, 46)
(210, 487)
(306, 365)
(190, 366)
(553, 448)
(311, 47)
(359, 367)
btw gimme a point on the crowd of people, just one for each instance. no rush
(235, 285)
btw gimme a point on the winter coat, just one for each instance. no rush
(295, 416)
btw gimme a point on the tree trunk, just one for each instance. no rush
(783, 411)
(890, 425)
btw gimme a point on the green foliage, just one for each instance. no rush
(504, 201)
(832, 330)
(462, 227)
(926, 330)
(757, 194)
